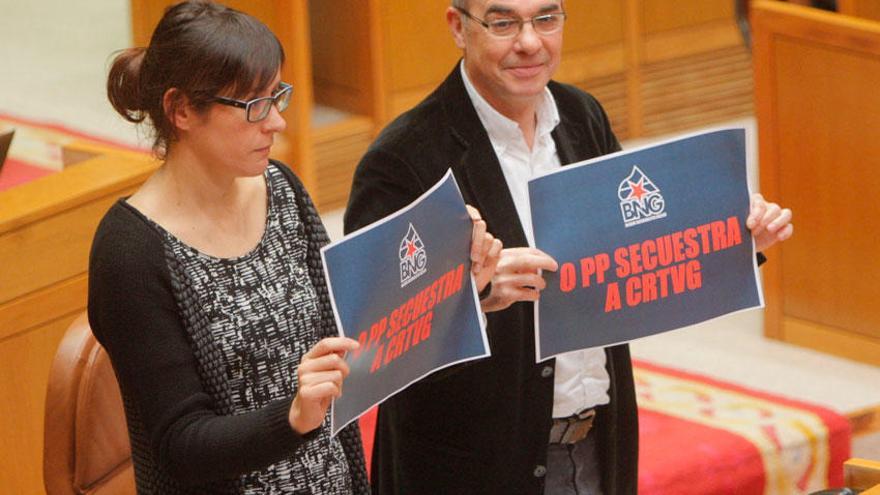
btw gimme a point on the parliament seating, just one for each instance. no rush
(86, 448)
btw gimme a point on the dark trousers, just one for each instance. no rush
(573, 469)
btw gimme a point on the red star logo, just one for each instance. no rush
(638, 190)
(410, 248)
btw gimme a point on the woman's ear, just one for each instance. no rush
(178, 110)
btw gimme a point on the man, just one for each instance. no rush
(505, 424)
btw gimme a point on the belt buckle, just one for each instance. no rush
(576, 427)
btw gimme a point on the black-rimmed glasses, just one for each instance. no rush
(509, 27)
(258, 108)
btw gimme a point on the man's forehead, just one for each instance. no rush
(515, 6)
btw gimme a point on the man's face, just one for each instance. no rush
(508, 72)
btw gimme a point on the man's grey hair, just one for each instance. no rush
(462, 4)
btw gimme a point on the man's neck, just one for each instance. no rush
(522, 111)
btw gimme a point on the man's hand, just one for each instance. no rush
(768, 222)
(485, 250)
(320, 376)
(518, 277)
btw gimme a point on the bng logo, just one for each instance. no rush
(640, 199)
(413, 258)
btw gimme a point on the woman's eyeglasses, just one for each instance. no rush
(258, 108)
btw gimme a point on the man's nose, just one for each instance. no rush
(528, 40)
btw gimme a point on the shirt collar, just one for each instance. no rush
(503, 130)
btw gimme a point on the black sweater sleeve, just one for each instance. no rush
(134, 315)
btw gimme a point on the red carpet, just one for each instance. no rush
(699, 435)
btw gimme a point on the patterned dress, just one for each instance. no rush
(247, 321)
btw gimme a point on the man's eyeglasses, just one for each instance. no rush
(258, 108)
(509, 27)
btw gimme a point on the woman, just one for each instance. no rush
(206, 287)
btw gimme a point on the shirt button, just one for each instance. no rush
(540, 471)
(547, 372)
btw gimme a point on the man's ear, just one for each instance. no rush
(178, 110)
(456, 26)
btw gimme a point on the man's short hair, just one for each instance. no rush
(462, 4)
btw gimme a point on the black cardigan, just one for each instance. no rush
(133, 313)
(483, 427)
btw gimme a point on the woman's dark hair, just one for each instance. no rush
(200, 48)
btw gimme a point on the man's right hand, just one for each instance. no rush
(518, 277)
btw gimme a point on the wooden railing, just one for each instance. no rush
(46, 229)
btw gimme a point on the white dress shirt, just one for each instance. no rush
(580, 379)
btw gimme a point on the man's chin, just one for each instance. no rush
(528, 91)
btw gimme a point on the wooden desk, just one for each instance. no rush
(46, 229)
(862, 474)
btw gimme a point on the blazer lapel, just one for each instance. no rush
(567, 143)
(477, 167)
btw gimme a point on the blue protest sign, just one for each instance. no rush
(402, 287)
(647, 241)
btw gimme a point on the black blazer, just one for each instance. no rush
(482, 427)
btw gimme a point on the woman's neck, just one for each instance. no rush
(196, 185)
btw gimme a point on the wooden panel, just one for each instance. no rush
(831, 340)
(861, 474)
(611, 93)
(864, 421)
(815, 74)
(57, 248)
(828, 281)
(589, 64)
(59, 299)
(145, 14)
(56, 193)
(693, 40)
(868, 9)
(402, 101)
(46, 226)
(593, 24)
(418, 47)
(26, 359)
(342, 64)
(663, 15)
(696, 91)
(293, 31)
(338, 149)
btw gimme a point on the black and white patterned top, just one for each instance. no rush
(247, 322)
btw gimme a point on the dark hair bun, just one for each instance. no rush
(123, 84)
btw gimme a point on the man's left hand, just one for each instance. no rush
(768, 222)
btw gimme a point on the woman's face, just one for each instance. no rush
(224, 136)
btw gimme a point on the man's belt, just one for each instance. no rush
(572, 429)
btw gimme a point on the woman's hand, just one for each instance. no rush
(320, 375)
